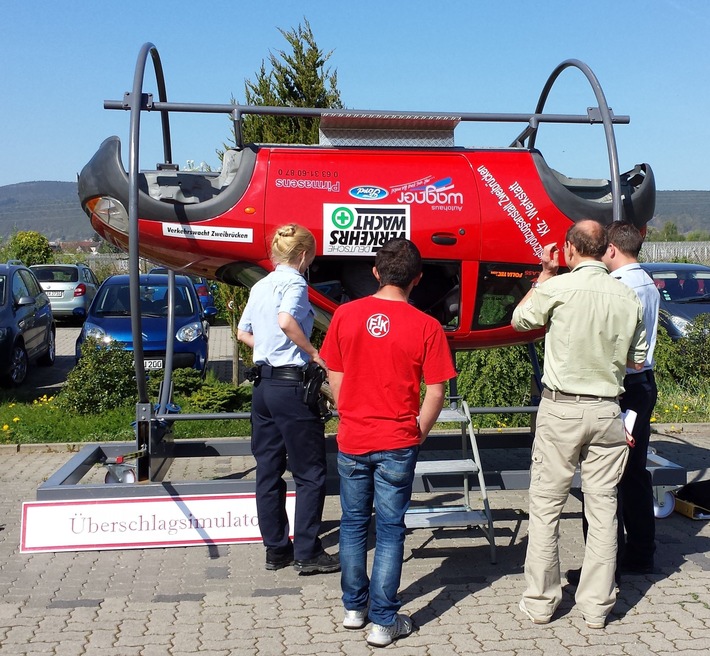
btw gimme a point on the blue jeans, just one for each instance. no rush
(383, 479)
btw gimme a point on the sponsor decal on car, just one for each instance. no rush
(519, 208)
(368, 192)
(358, 230)
(321, 185)
(437, 194)
(208, 233)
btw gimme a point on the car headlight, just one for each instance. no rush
(98, 333)
(190, 332)
(111, 212)
(682, 325)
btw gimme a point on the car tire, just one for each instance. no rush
(47, 360)
(18, 366)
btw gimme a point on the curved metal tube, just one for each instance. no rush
(606, 121)
(133, 171)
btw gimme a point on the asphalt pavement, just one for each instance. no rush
(221, 601)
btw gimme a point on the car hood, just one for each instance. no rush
(686, 310)
(153, 329)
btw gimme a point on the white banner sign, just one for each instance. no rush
(142, 522)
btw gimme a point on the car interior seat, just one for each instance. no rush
(690, 287)
(671, 289)
(123, 299)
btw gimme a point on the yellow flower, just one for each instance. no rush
(653, 419)
(5, 427)
(15, 419)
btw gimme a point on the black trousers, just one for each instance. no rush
(637, 522)
(635, 489)
(286, 432)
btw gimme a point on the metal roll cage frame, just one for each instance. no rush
(155, 449)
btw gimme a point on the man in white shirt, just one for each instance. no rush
(637, 522)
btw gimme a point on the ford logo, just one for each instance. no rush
(368, 192)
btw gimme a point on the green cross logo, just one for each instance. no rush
(342, 218)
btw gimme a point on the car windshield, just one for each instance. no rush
(682, 286)
(57, 274)
(116, 300)
(196, 280)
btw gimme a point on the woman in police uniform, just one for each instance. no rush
(277, 324)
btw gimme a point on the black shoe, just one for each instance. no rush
(323, 563)
(626, 567)
(279, 558)
(572, 576)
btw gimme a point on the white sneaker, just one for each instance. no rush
(355, 619)
(381, 636)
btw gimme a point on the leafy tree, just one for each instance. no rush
(298, 78)
(30, 248)
(669, 232)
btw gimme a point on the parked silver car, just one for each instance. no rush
(69, 287)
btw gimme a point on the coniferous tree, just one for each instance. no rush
(298, 78)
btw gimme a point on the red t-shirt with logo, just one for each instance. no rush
(384, 349)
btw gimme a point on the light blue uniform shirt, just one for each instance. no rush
(283, 290)
(632, 275)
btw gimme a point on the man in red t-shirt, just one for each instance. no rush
(378, 350)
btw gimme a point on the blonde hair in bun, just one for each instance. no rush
(290, 242)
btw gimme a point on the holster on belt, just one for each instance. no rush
(314, 378)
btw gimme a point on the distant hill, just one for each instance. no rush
(53, 209)
(689, 210)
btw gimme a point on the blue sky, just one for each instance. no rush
(61, 59)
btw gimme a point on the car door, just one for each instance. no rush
(92, 284)
(24, 314)
(42, 313)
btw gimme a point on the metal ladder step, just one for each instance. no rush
(467, 466)
(442, 516)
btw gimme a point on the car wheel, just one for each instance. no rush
(47, 360)
(18, 366)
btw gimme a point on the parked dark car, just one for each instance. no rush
(109, 320)
(685, 293)
(204, 289)
(27, 330)
(70, 288)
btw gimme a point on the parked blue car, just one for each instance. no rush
(27, 330)
(204, 289)
(109, 320)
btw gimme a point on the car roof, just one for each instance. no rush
(7, 266)
(673, 266)
(147, 279)
(57, 264)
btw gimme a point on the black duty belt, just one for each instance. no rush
(562, 396)
(281, 373)
(639, 377)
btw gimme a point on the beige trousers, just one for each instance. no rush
(588, 433)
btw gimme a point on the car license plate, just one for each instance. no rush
(57, 294)
(152, 365)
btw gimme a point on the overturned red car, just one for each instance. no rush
(479, 216)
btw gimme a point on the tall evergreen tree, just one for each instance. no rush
(298, 78)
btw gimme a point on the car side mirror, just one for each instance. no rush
(24, 300)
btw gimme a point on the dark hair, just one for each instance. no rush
(398, 263)
(588, 237)
(626, 237)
